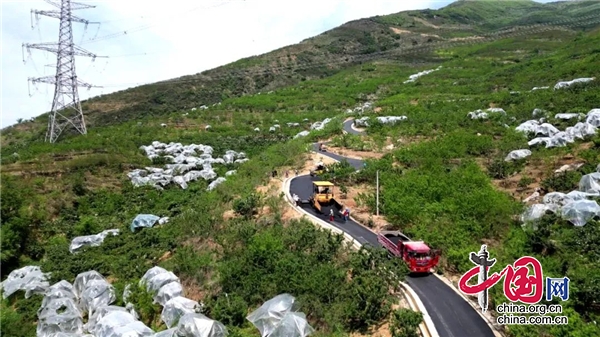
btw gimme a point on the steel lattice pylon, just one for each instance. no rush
(66, 107)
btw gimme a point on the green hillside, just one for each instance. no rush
(443, 175)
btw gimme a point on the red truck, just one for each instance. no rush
(417, 254)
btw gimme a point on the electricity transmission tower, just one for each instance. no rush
(66, 107)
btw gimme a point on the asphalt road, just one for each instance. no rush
(452, 316)
(348, 127)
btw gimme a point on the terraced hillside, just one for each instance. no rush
(443, 174)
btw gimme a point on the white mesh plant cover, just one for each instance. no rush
(97, 293)
(99, 313)
(179, 180)
(536, 211)
(593, 117)
(29, 278)
(133, 329)
(147, 221)
(414, 77)
(175, 308)
(215, 183)
(59, 315)
(167, 292)
(302, 134)
(561, 199)
(150, 273)
(480, 114)
(566, 84)
(518, 154)
(361, 122)
(590, 183)
(581, 130)
(293, 324)
(82, 279)
(580, 212)
(59, 290)
(68, 334)
(154, 284)
(320, 125)
(155, 278)
(268, 316)
(568, 116)
(91, 240)
(391, 119)
(166, 333)
(121, 324)
(198, 325)
(534, 127)
(557, 198)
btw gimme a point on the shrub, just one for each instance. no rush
(229, 309)
(562, 182)
(247, 206)
(405, 322)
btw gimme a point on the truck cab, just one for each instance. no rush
(418, 256)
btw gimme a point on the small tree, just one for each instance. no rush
(344, 191)
(404, 323)
(247, 206)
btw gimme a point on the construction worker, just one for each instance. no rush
(331, 215)
(346, 214)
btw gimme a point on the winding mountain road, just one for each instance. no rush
(451, 314)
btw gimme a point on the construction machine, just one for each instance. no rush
(323, 196)
(418, 256)
(319, 169)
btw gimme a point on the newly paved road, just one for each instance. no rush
(348, 127)
(452, 316)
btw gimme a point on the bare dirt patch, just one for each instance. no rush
(342, 151)
(229, 214)
(360, 212)
(400, 31)
(192, 290)
(466, 38)
(167, 255)
(404, 31)
(426, 23)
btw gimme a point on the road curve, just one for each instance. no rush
(451, 314)
(348, 127)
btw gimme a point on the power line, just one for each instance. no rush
(163, 52)
(402, 51)
(66, 107)
(148, 26)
